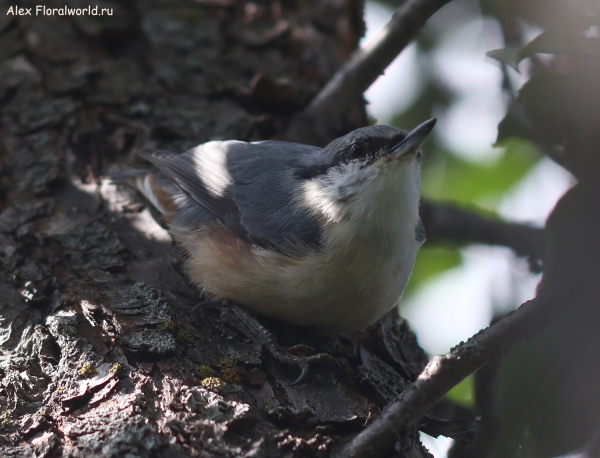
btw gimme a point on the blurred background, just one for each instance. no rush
(455, 291)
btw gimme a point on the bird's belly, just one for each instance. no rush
(342, 290)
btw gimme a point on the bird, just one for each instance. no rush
(313, 236)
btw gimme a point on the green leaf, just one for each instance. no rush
(463, 394)
(455, 179)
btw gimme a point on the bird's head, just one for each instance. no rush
(378, 144)
(368, 168)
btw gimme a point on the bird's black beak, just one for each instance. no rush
(413, 140)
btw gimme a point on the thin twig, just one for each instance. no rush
(319, 122)
(444, 372)
(448, 222)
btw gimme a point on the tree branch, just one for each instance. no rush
(444, 372)
(320, 121)
(445, 221)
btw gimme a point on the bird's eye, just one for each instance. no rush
(357, 150)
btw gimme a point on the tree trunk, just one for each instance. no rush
(99, 353)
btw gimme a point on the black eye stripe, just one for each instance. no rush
(361, 150)
(357, 150)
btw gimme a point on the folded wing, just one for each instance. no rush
(251, 188)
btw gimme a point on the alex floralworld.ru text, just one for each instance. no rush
(41, 10)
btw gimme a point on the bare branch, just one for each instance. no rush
(445, 221)
(321, 120)
(444, 372)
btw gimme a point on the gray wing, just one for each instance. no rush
(250, 188)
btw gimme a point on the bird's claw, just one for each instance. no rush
(302, 375)
(302, 362)
(207, 304)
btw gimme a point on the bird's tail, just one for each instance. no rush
(153, 185)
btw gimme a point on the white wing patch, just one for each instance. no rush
(211, 167)
(327, 194)
(316, 197)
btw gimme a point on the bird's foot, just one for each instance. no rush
(206, 305)
(285, 356)
(300, 348)
(256, 332)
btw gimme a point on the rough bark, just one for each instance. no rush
(99, 354)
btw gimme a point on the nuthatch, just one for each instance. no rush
(313, 236)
